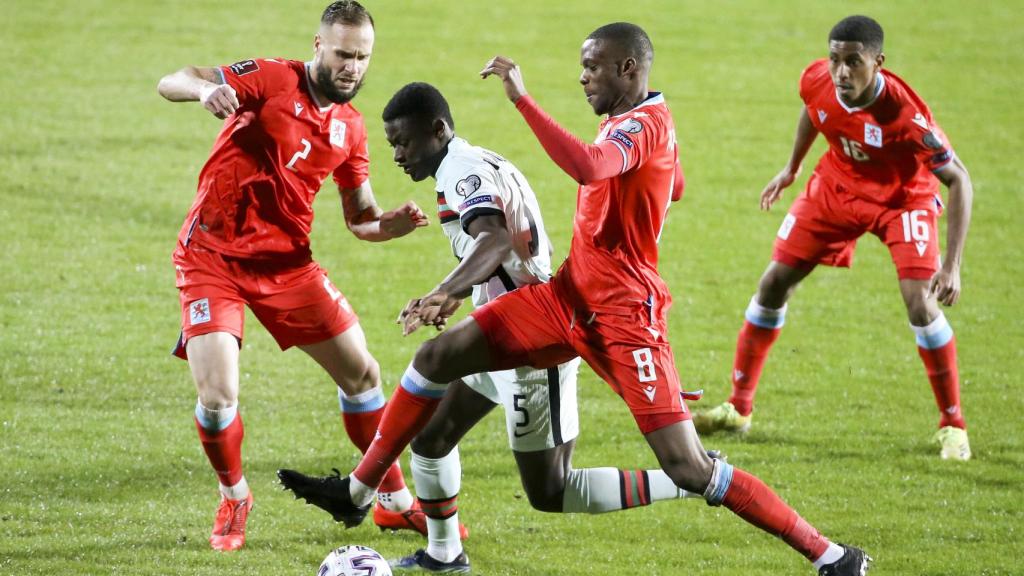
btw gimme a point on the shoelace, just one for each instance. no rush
(237, 524)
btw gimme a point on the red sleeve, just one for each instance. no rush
(583, 162)
(810, 77)
(678, 182)
(252, 79)
(356, 168)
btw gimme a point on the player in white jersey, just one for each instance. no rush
(492, 218)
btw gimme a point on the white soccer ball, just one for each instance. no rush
(354, 561)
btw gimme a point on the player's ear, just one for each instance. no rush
(628, 67)
(880, 59)
(441, 128)
(316, 43)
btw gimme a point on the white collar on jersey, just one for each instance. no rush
(456, 146)
(312, 93)
(653, 99)
(879, 86)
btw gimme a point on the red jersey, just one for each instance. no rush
(613, 261)
(255, 195)
(882, 152)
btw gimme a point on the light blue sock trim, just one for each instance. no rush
(215, 420)
(770, 318)
(415, 383)
(722, 483)
(935, 335)
(368, 401)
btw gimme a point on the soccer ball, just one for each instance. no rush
(354, 561)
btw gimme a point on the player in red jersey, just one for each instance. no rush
(607, 304)
(877, 176)
(245, 241)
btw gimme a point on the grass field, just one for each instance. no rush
(100, 468)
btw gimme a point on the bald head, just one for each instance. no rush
(628, 40)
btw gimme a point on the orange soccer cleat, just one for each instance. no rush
(411, 519)
(229, 525)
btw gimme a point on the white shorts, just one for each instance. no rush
(540, 405)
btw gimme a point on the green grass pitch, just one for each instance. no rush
(100, 468)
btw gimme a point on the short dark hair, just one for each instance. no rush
(629, 37)
(347, 12)
(859, 29)
(418, 100)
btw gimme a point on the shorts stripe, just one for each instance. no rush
(555, 405)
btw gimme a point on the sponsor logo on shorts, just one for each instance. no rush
(649, 391)
(338, 130)
(921, 247)
(199, 311)
(821, 116)
(244, 67)
(787, 226)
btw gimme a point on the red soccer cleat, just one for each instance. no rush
(411, 519)
(229, 525)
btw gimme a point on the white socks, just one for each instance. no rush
(832, 554)
(439, 479)
(598, 490)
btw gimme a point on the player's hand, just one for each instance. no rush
(219, 99)
(434, 309)
(773, 191)
(945, 285)
(511, 76)
(403, 220)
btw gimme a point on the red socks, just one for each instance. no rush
(752, 500)
(752, 348)
(224, 450)
(361, 428)
(406, 414)
(940, 365)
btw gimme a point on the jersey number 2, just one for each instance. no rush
(301, 155)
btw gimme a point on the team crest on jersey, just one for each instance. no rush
(338, 129)
(631, 126)
(872, 135)
(932, 140)
(468, 185)
(244, 67)
(199, 311)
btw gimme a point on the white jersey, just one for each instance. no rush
(473, 181)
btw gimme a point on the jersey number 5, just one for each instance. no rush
(301, 155)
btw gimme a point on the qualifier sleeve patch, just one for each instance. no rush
(244, 67)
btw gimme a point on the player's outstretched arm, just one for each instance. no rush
(945, 285)
(205, 85)
(368, 222)
(805, 135)
(491, 245)
(584, 162)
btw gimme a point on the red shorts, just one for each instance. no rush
(536, 326)
(297, 304)
(824, 223)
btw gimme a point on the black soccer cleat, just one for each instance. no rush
(854, 562)
(329, 493)
(420, 561)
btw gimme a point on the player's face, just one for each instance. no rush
(340, 59)
(853, 68)
(418, 145)
(602, 82)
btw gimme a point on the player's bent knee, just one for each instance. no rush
(545, 498)
(431, 445)
(692, 476)
(430, 358)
